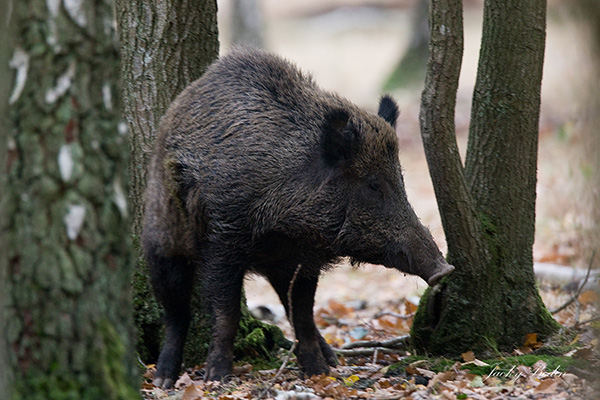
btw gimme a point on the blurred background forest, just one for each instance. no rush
(353, 46)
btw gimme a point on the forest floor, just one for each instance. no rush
(351, 51)
(378, 364)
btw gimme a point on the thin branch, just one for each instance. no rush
(394, 314)
(579, 289)
(589, 321)
(293, 348)
(577, 312)
(375, 354)
(366, 351)
(397, 342)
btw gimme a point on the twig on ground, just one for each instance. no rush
(589, 321)
(365, 351)
(577, 311)
(396, 342)
(394, 314)
(291, 319)
(579, 289)
(375, 354)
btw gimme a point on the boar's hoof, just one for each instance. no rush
(315, 370)
(216, 374)
(317, 366)
(443, 271)
(164, 383)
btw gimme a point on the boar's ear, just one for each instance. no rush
(339, 139)
(388, 110)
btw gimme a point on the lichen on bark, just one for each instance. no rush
(68, 256)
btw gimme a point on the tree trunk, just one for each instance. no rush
(488, 208)
(66, 249)
(588, 14)
(164, 47)
(4, 88)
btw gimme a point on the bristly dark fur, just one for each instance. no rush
(255, 168)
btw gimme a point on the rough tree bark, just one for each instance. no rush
(5, 6)
(488, 207)
(66, 252)
(165, 45)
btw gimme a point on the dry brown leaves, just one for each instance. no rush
(365, 377)
(370, 382)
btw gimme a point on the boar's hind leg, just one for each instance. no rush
(172, 279)
(222, 291)
(313, 352)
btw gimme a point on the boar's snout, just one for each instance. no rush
(438, 271)
(431, 269)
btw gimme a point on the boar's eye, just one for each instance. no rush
(375, 188)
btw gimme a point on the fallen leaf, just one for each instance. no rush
(410, 307)
(242, 369)
(477, 362)
(468, 356)
(351, 380)
(425, 372)
(539, 367)
(445, 376)
(588, 297)
(524, 370)
(192, 393)
(477, 382)
(339, 309)
(492, 381)
(547, 386)
(384, 383)
(585, 352)
(149, 374)
(532, 341)
(183, 381)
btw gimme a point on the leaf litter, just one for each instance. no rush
(384, 369)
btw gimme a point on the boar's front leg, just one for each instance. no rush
(313, 352)
(222, 291)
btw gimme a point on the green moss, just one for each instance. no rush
(113, 379)
(258, 342)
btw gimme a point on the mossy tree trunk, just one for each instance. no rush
(4, 88)
(491, 301)
(66, 257)
(165, 45)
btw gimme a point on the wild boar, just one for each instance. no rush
(257, 169)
